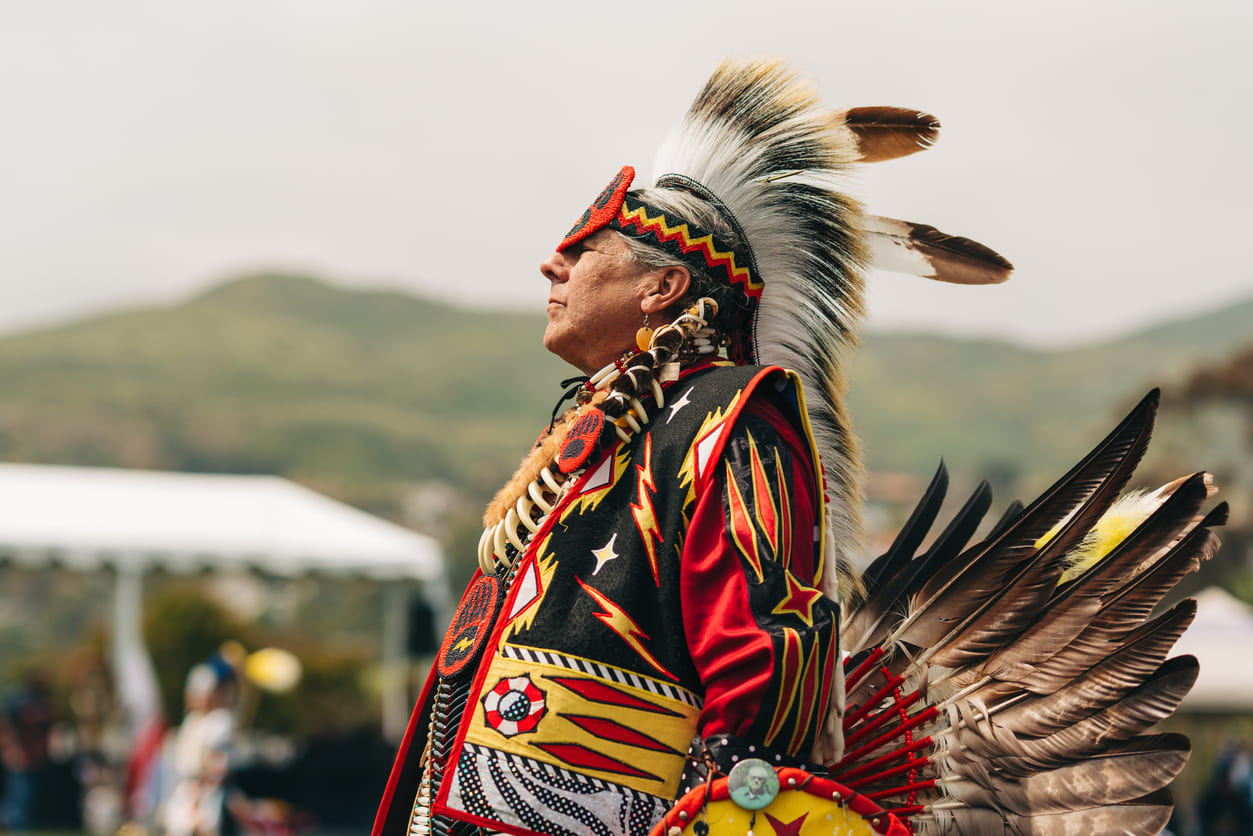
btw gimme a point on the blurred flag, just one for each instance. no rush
(140, 696)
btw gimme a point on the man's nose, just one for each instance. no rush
(554, 267)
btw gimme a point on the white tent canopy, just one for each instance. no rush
(85, 518)
(1221, 638)
(133, 521)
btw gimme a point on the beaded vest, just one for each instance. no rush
(568, 698)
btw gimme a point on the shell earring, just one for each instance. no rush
(644, 336)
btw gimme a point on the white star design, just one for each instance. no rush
(605, 553)
(679, 404)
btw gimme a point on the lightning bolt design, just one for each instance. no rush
(785, 527)
(787, 670)
(763, 497)
(740, 526)
(645, 518)
(616, 619)
(809, 690)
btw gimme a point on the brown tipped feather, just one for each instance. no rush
(1143, 817)
(1114, 778)
(1123, 612)
(886, 133)
(1015, 606)
(1138, 656)
(922, 250)
(1156, 699)
(891, 583)
(1072, 609)
(967, 585)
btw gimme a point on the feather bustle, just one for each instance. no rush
(1149, 703)
(982, 574)
(1044, 712)
(1135, 658)
(1076, 603)
(1146, 816)
(1121, 613)
(1093, 782)
(892, 595)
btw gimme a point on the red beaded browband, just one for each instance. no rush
(615, 209)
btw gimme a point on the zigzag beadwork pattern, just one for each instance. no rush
(635, 214)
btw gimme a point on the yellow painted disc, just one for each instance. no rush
(805, 806)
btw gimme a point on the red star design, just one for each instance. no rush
(799, 601)
(791, 828)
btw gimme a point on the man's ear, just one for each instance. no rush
(670, 286)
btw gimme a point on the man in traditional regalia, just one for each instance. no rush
(657, 601)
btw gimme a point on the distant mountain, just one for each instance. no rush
(358, 392)
(349, 390)
(999, 410)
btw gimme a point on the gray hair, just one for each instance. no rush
(680, 207)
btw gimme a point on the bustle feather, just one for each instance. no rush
(993, 689)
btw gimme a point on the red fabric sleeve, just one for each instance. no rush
(761, 635)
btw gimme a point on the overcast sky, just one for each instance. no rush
(151, 149)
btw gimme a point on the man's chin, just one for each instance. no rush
(555, 345)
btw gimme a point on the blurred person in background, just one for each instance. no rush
(92, 710)
(24, 727)
(1226, 804)
(200, 753)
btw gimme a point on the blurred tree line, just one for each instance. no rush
(1207, 423)
(58, 621)
(183, 626)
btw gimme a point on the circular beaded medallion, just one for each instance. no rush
(514, 706)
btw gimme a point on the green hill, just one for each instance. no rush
(359, 393)
(992, 408)
(348, 390)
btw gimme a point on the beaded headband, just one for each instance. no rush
(616, 209)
